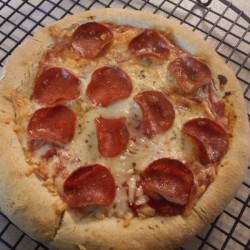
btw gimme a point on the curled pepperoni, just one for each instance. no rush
(90, 185)
(212, 140)
(53, 123)
(56, 86)
(157, 112)
(149, 43)
(113, 136)
(170, 179)
(91, 40)
(108, 85)
(190, 73)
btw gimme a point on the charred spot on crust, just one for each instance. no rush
(228, 93)
(91, 17)
(222, 79)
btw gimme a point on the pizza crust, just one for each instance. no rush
(23, 198)
(153, 233)
(40, 216)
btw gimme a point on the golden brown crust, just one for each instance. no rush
(31, 214)
(23, 198)
(153, 233)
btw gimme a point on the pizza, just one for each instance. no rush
(119, 130)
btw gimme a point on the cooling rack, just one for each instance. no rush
(224, 26)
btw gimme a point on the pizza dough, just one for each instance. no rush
(26, 199)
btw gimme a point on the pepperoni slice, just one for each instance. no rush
(157, 112)
(90, 185)
(212, 140)
(170, 179)
(53, 123)
(166, 208)
(149, 43)
(190, 73)
(108, 85)
(91, 40)
(113, 136)
(56, 86)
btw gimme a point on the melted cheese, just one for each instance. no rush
(141, 150)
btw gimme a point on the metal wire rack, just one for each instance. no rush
(224, 26)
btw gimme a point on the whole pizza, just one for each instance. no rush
(119, 129)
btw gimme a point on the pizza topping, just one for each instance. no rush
(149, 43)
(53, 123)
(158, 113)
(166, 187)
(165, 208)
(190, 73)
(218, 108)
(56, 86)
(35, 144)
(169, 179)
(212, 140)
(49, 154)
(113, 136)
(91, 40)
(42, 148)
(89, 185)
(108, 85)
